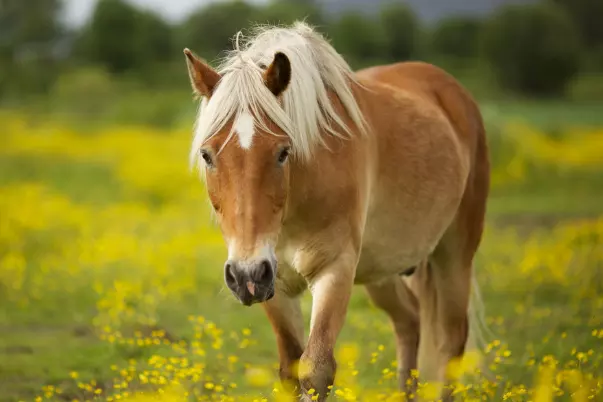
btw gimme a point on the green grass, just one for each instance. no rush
(551, 194)
(52, 333)
(550, 115)
(84, 182)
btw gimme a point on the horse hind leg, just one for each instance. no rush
(443, 284)
(443, 288)
(395, 298)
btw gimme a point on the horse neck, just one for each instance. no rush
(328, 182)
(325, 188)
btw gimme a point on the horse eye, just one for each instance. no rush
(282, 157)
(206, 157)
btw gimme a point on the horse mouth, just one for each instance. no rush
(251, 288)
(252, 293)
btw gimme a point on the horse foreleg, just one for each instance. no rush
(284, 313)
(331, 289)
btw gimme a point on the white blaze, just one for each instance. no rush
(263, 251)
(245, 129)
(232, 249)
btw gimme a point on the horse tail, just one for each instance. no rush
(480, 334)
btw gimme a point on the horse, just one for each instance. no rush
(324, 178)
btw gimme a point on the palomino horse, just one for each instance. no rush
(343, 178)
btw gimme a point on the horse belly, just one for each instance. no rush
(398, 237)
(388, 253)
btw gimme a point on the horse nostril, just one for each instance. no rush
(229, 274)
(264, 272)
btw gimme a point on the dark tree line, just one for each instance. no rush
(531, 48)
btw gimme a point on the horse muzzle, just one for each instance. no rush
(250, 281)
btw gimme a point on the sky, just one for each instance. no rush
(77, 11)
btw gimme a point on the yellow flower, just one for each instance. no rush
(303, 368)
(348, 353)
(543, 392)
(258, 377)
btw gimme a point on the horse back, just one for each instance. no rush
(440, 134)
(437, 87)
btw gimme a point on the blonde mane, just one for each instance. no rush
(305, 110)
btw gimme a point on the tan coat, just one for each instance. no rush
(409, 191)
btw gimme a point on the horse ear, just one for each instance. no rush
(278, 75)
(203, 77)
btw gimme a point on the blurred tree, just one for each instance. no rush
(532, 48)
(110, 37)
(284, 12)
(122, 38)
(359, 38)
(456, 37)
(587, 15)
(155, 41)
(30, 35)
(400, 27)
(210, 30)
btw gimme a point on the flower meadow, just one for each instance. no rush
(111, 277)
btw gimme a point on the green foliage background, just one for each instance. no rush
(547, 49)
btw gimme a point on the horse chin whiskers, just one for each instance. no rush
(226, 295)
